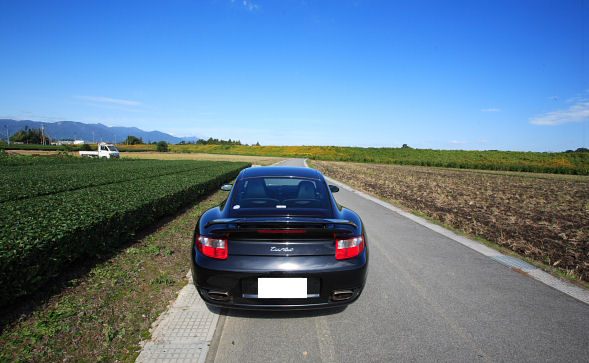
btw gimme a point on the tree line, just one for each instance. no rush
(30, 136)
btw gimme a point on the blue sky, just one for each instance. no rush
(507, 75)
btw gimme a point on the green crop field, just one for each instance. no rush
(37, 147)
(575, 163)
(56, 211)
(31, 180)
(74, 148)
(558, 163)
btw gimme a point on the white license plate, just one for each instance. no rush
(282, 288)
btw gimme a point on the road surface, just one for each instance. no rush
(427, 298)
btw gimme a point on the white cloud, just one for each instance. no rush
(10, 117)
(490, 110)
(109, 100)
(34, 117)
(578, 112)
(113, 107)
(457, 142)
(249, 5)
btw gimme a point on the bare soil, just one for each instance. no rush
(256, 160)
(543, 217)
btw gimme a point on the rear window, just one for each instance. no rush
(280, 193)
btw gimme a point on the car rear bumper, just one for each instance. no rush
(232, 283)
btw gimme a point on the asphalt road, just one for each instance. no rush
(427, 298)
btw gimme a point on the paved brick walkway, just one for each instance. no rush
(183, 333)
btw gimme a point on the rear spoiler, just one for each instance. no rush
(319, 222)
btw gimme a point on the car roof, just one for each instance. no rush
(281, 171)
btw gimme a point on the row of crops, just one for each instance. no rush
(55, 213)
(557, 163)
(32, 180)
(75, 148)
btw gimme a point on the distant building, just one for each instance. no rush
(68, 142)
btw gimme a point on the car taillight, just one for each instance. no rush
(212, 247)
(349, 247)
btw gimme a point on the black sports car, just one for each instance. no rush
(279, 241)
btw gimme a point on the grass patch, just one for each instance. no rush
(104, 315)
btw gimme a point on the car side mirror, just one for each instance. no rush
(333, 188)
(227, 187)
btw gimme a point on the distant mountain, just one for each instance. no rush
(88, 132)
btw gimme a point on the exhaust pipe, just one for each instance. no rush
(341, 295)
(218, 295)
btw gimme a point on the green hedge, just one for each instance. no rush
(134, 150)
(62, 157)
(22, 182)
(43, 235)
(71, 147)
(12, 146)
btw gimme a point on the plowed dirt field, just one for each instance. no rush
(544, 217)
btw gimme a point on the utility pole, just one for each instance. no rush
(42, 135)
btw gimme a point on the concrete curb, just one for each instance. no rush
(183, 333)
(563, 286)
